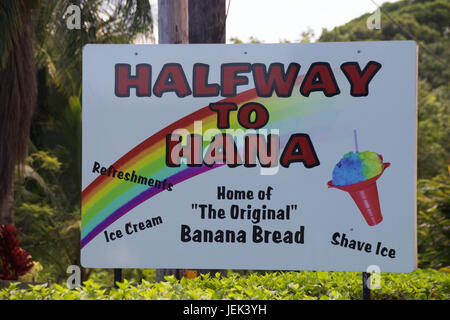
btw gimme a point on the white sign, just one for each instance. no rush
(261, 156)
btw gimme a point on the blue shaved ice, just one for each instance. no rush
(356, 167)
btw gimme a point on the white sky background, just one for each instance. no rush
(273, 20)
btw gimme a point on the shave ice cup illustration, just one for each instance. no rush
(357, 174)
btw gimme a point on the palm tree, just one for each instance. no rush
(33, 34)
(18, 92)
(40, 84)
(59, 52)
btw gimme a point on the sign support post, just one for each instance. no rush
(117, 277)
(366, 289)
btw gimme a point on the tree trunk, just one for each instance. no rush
(207, 21)
(18, 96)
(173, 21)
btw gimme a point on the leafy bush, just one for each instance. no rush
(14, 261)
(433, 221)
(50, 226)
(433, 130)
(421, 284)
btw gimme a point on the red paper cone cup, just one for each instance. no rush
(365, 195)
(368, 203)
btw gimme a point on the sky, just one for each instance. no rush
(273, 20)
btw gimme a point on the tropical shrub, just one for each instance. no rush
(310, 285)
(14, 261)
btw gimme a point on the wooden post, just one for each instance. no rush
(190, 21)
(207, 21)
(173, 25)
(207, 25)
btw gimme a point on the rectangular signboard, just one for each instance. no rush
(261, 156)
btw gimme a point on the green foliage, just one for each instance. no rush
(47, 203)
(236, 40)
(44, 160)
(433, 130)
(427, 25)
(111, 21)
(50, 225)
(305, 285)
(252, 39)
(433, 221)
(426, 21)
(106, 276)
(306, 36)
(33, 274)
(431, 69)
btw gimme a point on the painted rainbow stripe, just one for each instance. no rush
(107, 199)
